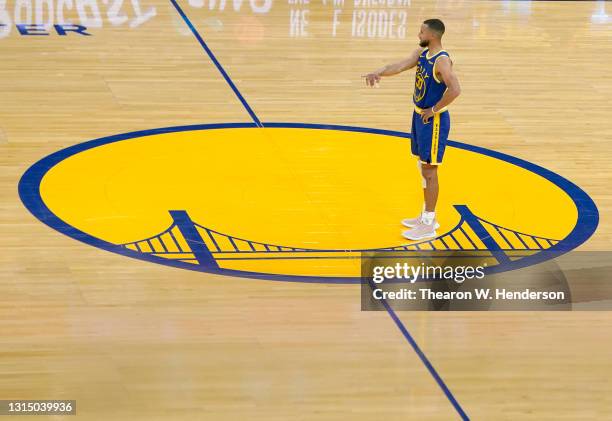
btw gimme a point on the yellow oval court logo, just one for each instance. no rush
(296, 201)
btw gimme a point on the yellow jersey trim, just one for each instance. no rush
(435, 139)
(420, 110)
(427, 56)
(434, 68)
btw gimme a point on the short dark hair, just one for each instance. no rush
(435, 25)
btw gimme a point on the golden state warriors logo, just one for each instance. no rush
(296, 201)
(420, 87)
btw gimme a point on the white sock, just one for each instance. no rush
(428, 217)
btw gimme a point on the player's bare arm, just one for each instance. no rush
(444, 72)
(393, 69)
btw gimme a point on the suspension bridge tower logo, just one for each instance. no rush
(297, 202)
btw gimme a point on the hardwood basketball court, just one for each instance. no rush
(129, 339)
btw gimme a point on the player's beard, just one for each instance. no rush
(424, 43)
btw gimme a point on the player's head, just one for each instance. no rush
(430, 29)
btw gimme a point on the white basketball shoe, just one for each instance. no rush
(421, 231)
(413, 222)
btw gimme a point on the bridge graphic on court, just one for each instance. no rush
(188, 241)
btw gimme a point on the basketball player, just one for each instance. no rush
(435, 87)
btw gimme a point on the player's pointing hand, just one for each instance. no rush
(372, 79)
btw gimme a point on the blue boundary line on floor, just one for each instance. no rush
(216, 62)
(423, 358)
(390, 311)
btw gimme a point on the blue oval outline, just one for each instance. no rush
(29, 193)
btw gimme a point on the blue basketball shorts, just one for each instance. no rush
(428, 140)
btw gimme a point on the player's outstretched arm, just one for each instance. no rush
(393, 69)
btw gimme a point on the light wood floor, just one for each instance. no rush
(130, 340)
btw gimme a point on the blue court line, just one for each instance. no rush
(397, 321)
(423, 358)
(216, 62)
(312, 257)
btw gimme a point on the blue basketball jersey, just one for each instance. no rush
(427, 89)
